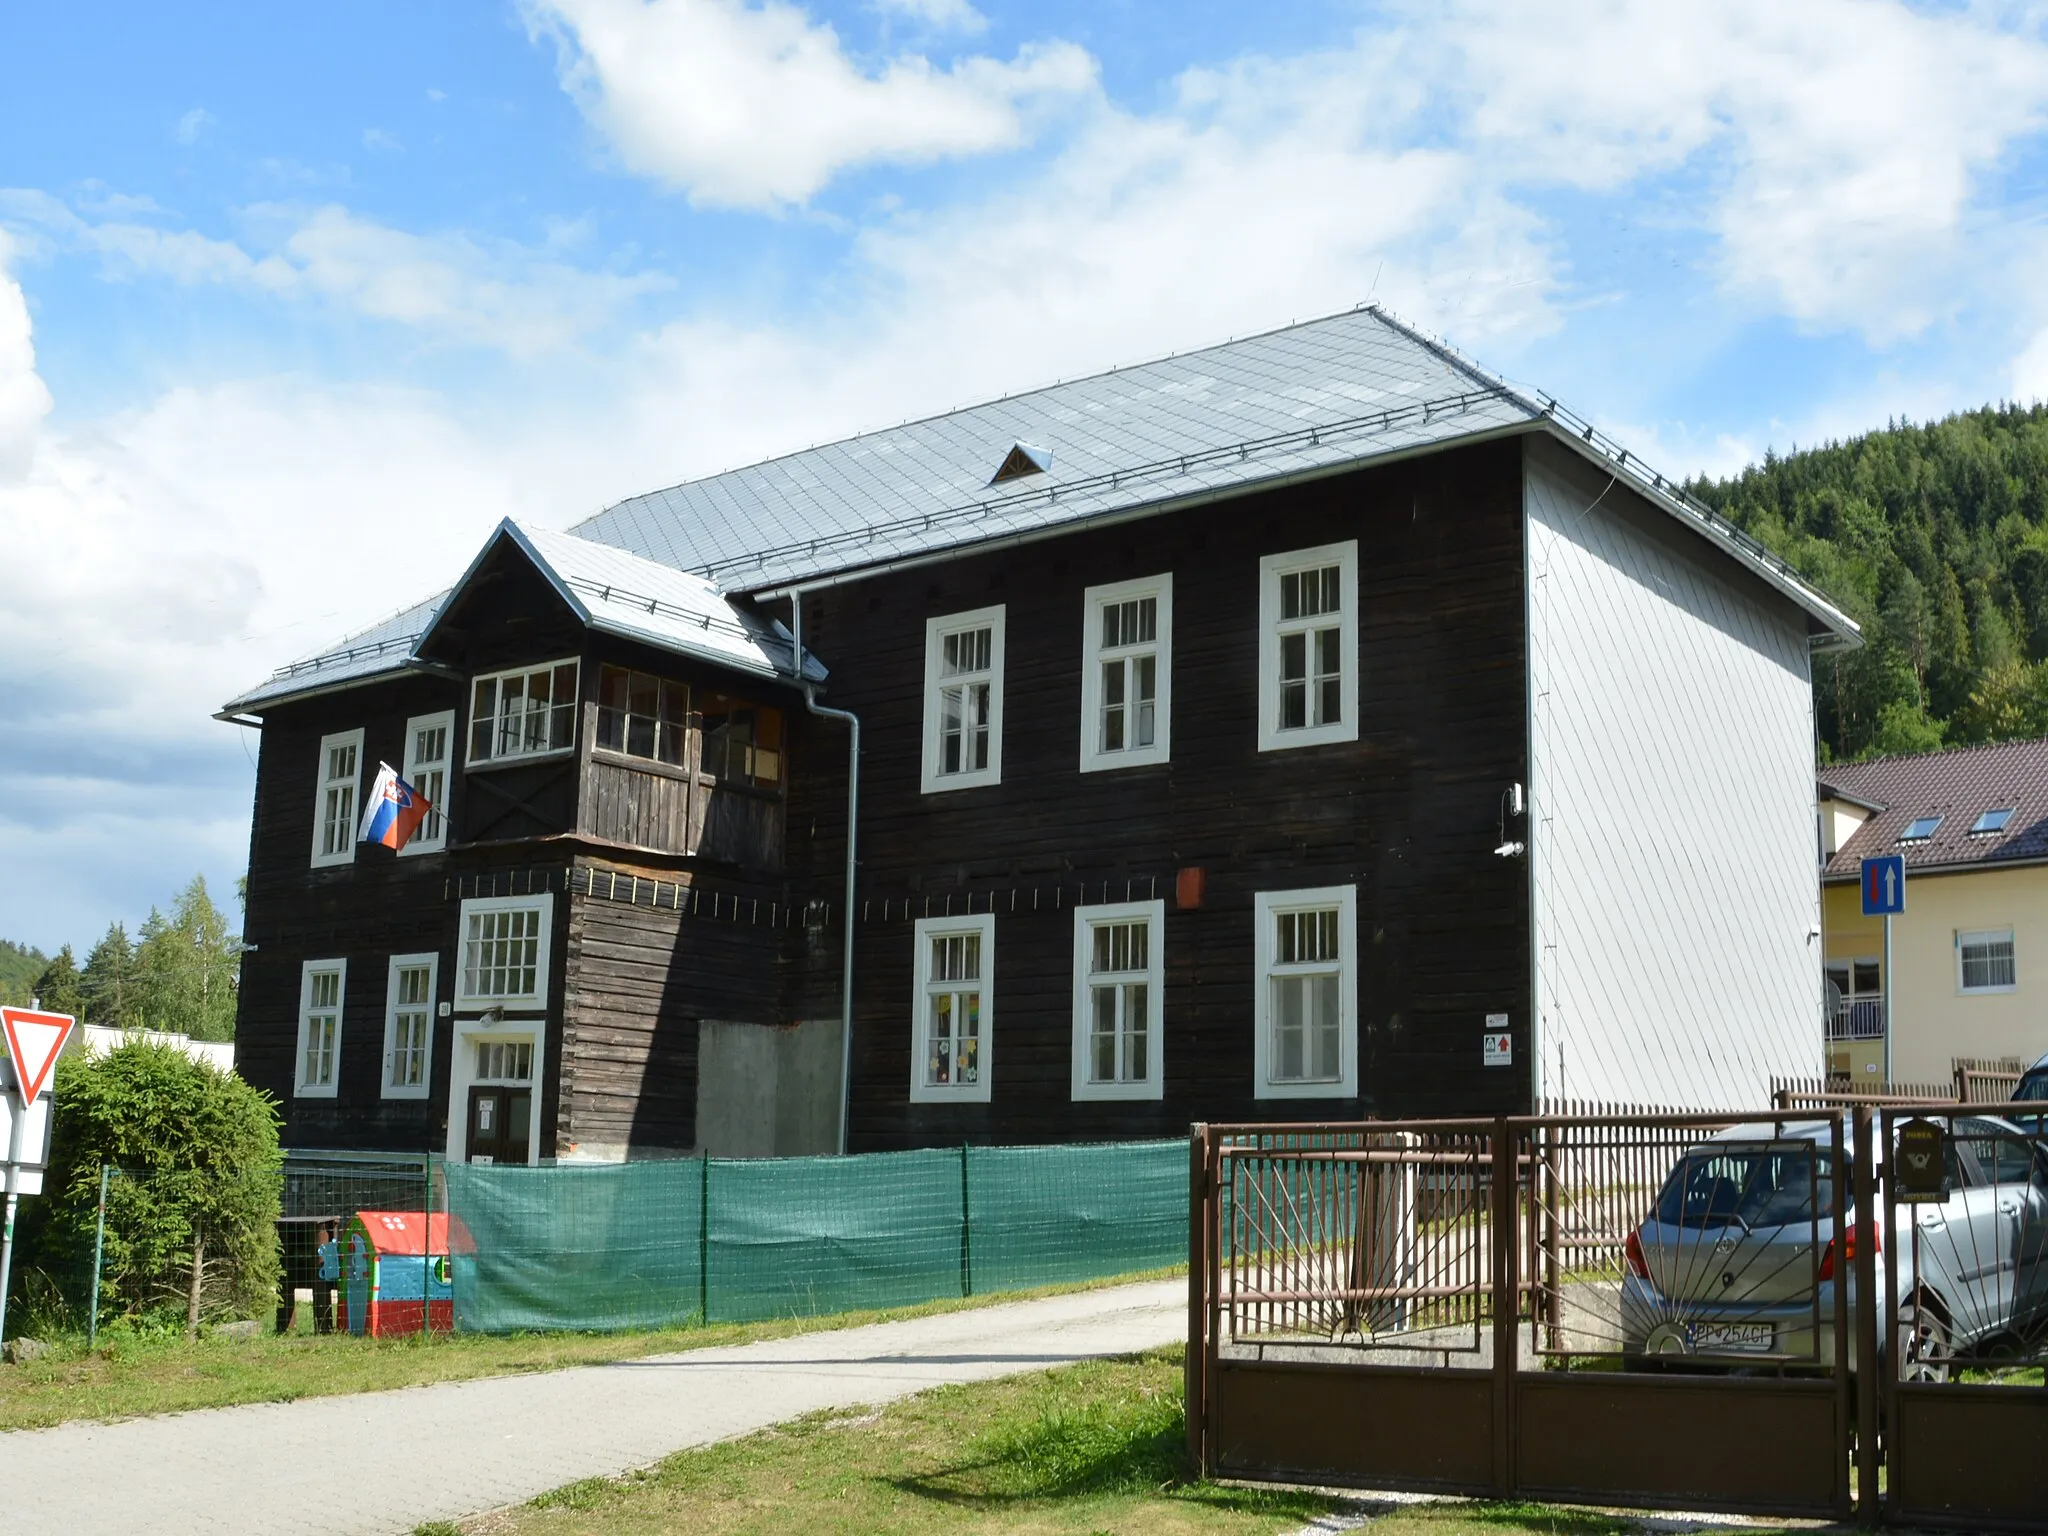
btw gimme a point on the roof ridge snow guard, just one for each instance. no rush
(609, 591)
(1179, 464)
(346, 653)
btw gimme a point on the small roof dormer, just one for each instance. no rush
(1022, 459)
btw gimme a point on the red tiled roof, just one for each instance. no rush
(1959, 785)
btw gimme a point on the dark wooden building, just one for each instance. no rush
(1309, 727)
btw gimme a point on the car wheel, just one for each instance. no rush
(1923, 1345)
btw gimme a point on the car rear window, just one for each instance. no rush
(2033, 1087)
(1750, 1186)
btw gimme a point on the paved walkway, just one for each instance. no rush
(386, 1461)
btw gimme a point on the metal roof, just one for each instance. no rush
(1958, 785)
(1319, 395)
(1312, 399)
(622, 593)
(386, 646)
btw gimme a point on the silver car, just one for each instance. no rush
(1737, 1265)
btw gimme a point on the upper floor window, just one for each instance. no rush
(409, 1026)
(1992, 821)
(1921, 828)
(1307, 1000)
(505, 951)
(427, 742)
(335, 796)
(742, 742)
(1308, 646)
(650, 717)
(1127, 674)
(642, 715)
(963, 694)
(321, 986)
(1119, 974)
(954, 1009)
(523, 714)
(1984, 961)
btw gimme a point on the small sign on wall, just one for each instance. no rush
(1497, 1045)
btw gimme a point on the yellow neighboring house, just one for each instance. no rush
(1970, 952)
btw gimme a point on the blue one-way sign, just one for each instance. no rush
(1884, 886)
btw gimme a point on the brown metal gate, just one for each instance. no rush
(1964, 1325)
(1601, 1308)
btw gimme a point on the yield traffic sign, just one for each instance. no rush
(33, 1042)
(1884, 886)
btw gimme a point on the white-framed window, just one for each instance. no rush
(529, 712)
(409, 1025)
(963, 700)
(504, 951)
(1308, 646)
(955, 1009)
(1119, 992)
(1984, 961)
(322, 985)
(1127, 674)
(337, 798)
(428, 739)
(1306, 1007)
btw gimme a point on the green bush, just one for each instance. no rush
(196, 1155)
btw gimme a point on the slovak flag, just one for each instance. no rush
(393, 811)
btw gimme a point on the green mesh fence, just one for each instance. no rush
(1050, 1215)
(641, 1245)
(589, 1248)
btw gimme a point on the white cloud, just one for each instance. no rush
(753, 106)
(24, 398)
(1837, 147)
(192, 125)
(382, 139)
(946, 15)
(497, 294)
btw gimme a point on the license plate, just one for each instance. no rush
(1709, 1338)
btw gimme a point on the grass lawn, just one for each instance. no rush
(130, 1375)
(1090, 1449)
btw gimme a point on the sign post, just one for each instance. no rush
(34, 1041)
(1884, 895)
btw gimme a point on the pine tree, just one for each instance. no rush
(57, 989)
(107, 986)
(187, 963)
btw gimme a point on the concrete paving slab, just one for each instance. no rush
(379, 1462)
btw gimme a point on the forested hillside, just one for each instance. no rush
(19, 968)
(1934, 539)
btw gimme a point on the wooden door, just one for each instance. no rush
(500, 1125)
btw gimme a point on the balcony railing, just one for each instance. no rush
(1857, 1018)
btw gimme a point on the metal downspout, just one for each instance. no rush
(810, 692)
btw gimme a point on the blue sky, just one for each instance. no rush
(285, 288)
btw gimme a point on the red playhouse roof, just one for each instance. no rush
(400, 1232)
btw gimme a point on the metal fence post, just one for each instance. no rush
(1195, 1365)
(1863, 1268)
(966, 1230)
(99, 1249)
(704, 1244)
(427, 1253)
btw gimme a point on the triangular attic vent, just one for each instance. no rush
(1022, 460)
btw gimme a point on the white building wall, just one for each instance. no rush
(1671, 817)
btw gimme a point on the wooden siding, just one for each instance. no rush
(650, 955)
(1409, 814)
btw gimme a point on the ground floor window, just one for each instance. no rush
(1118, 993)
(954, 1005)
(321, 985)
(409, 1025)
(1306, 1002)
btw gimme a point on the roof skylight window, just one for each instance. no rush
(1921, 829)
(1992, 821)
(1022, 460)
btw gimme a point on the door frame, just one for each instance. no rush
(530, 1029)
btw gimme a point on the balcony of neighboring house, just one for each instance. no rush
(1855, 1018)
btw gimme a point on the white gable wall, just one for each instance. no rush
(1671, 815)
